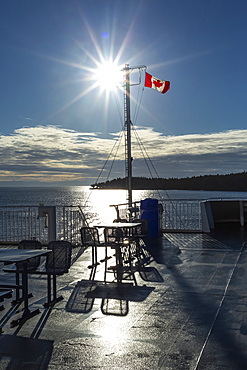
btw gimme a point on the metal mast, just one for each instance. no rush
(127, 120)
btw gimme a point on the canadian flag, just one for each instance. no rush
(155, 83)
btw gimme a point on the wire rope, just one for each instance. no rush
(105, 163)
(138, 105)
(119, 142)
(109, 155)
(148, 160)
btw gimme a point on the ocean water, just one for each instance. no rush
(83, 195)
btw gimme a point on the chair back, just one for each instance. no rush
(90, 236)
(142, 229)
(34, 262)
(59, 260)
(113, 235)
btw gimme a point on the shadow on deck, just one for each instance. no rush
(188, 311)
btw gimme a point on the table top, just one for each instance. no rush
(19, 255)
(120, 224)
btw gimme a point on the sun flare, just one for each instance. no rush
(103, 74)
(108, 76)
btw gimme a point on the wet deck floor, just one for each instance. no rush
(189, 311)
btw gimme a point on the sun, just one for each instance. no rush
(108, 75)
(98, 72)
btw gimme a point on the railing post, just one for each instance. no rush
(50, 213)
(206, 217)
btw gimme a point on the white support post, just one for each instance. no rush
(50, 213)
(241, 215)
(207, 217)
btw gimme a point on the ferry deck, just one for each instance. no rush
(188, 311)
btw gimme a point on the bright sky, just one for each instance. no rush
(57, 128)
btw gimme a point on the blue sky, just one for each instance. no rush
(55, 129)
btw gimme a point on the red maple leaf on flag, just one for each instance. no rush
(158, 83)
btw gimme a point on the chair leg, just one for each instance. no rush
(54, 287)
(93, 255)
(48, 289)
(94, 258)
(106, 259)
(132, 272)
(17, 281)
(119, 265)
(55, 299)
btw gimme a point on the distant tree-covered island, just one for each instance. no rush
(230, 182)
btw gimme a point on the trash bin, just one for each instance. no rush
(150, 211)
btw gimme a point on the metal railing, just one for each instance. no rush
(32, 222)
(27, 222)
(24, 222)
(181, 214)
(177, 214)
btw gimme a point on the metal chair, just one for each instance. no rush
(34, 262)
(142, 230)
(139, 250)
(90, 238)
(4, 293)
(57, 263)
(117, 238)
(114, 235)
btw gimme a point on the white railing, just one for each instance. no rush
(27, 222)
(181, 214)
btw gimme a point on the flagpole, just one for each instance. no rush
(150, 81)
(127, 119)
(128, 157)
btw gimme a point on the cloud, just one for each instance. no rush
(46, 154)
(26, 118)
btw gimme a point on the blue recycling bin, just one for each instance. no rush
(150, 212)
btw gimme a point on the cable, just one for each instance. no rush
(148, 160)
(119, 140)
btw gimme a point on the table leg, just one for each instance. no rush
(25, 289)
(27, 314)
(119, 264)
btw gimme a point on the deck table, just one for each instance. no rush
(123, 225)
(10, 255)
